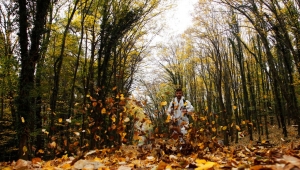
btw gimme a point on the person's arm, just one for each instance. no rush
(189, 106)
(170, 109)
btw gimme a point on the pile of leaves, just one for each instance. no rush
(173, 154)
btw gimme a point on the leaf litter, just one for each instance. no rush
(168, 154)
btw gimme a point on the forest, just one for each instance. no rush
(84, 85)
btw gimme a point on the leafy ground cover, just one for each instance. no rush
(274, 153)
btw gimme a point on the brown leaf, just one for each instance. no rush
(36, 160)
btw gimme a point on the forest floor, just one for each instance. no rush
(276, 153)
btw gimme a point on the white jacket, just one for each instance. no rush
(178, 115)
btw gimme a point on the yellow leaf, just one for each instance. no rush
(25, 149)
(60, 120)
(224, 127)
(213, 122)
(40, 151)
(168, 119)
(237, 127)
(23, 120)
(122, 97)
(214, 129)
(114, 88)
(234, 107)
(164, 103)
(103, 110)
(7, 168)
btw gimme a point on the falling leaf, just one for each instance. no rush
(113, 118)
(97, 137)
(69, 120)
(114, 88)
(237, 127)
(22, 119)
(77, 133)
(59, 120)
(124, 109)
(53, 145)
(164, 103)
(168, 119)
(122, 97)
(41, 151)
(113, 126)
(94, 104)
(103, 110)
(224, 127)
(25, 149)
(126, 119)
(234, 107)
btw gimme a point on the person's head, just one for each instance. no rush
(178, 93)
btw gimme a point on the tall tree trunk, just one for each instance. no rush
(28, 62)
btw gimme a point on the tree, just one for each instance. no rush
(30, 55)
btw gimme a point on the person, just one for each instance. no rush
(178, 109)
